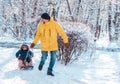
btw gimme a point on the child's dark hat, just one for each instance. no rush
(24, 45)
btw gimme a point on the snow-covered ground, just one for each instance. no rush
(104, 69)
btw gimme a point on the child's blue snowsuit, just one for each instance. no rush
(24, 55)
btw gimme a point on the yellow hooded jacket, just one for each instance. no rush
(47, 34)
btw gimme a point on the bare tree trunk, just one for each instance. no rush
(52, 10)
(23, 21)
(70, 11)
(10, 3)
(109, 21)
(117, 23)
(35, 8)
(98, 27)
(57, 9)
(16, 29)
(78, 10)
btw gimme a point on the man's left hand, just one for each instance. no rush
(66, 44)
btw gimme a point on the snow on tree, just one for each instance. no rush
(19, 18)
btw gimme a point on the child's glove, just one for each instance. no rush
(18, 57)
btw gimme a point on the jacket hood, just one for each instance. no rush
(51, 20)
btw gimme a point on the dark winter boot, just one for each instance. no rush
(40, 67)
(50, 73)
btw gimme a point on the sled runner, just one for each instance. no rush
(27, 68)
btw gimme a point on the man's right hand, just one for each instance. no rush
(32, 45)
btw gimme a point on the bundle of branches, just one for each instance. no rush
(77, 44)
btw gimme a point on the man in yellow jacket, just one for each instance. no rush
(47, 32)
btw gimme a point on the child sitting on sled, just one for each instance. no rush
(24, 56)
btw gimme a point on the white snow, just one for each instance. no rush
(9, 39)
(103, 42)
(103, 70)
